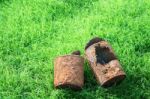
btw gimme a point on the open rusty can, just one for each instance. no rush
(68, 71)
(104, 62)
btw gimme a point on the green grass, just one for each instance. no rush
(34, 32)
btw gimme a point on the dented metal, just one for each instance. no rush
(104, 62)
(68, 71)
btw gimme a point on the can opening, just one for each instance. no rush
(114, 81)
(76, 53)
(92, 41)
(103, 54)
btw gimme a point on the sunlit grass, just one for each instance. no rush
(34, 32)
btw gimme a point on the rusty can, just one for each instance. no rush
(104, 62)
(68, 71)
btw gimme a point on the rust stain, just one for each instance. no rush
(105, 66)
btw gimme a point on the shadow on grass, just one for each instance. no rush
(3, 1)
(135, 86)
(79, 4)
(143, 48)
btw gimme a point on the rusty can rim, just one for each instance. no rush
(93, 41)
(69, 85)
(120, 78)
(94, 44)
(68, 55)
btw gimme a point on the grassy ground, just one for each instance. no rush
(34, 32)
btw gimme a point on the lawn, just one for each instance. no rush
(34, 32)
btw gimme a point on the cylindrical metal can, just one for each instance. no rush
(104, 62)
(68, 71)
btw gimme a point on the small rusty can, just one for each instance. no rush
(104, 62)
(68, 71)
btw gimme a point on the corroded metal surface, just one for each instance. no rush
(104, 63)
(68, 71)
